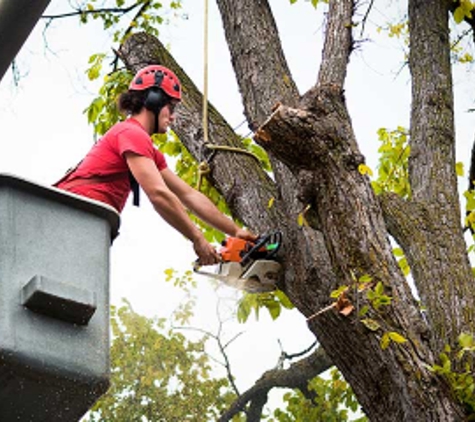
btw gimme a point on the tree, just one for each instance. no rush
(397, 353)
(317, 166)
(158, 374)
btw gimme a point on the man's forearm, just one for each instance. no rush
(203, 208)
(172, 211)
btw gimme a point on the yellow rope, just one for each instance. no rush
(205, 75)
(232, 149)
(203, 167)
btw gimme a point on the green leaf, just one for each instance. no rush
(337, 293)
(301, 220)
(364, 169)
(169, 273)
(365, 278)
(243, 311)
(274, 309)
(398, 252)
(283, 299)
(363, 311)
(396, 337)
(371, 324)
(459, 14)
(459, 169)
(379, 289)
(385, 341)
(466, 341)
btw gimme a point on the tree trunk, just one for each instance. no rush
(316, 161)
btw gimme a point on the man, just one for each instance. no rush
(125, 155)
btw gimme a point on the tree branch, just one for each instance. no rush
(296, 376)
(433, 177)
(80, 12)
(338, 43)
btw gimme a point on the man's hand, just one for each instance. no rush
(246, 235)
(207, 255)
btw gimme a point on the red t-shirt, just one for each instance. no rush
(106, 159)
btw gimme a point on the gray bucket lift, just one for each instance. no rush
(54, 301)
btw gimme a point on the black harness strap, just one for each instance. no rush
(135, 189)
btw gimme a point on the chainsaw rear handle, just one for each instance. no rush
(272, 237)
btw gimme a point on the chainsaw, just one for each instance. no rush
(248, 266)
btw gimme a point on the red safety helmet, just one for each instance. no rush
(159, 77)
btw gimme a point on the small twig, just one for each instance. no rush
(77, 12)
(365, 17)
(303, 352)
(321, 311)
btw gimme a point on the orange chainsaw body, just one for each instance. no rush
(234, 248)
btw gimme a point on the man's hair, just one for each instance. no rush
(131, 102)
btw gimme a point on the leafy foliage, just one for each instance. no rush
(470, 208)
(158, 375)
(333, 401)
(371, 314)
(141, 14)
(272, 301)
(103, 112)
(464, 10)
(457, 366)
(459, 49)
(394, 152)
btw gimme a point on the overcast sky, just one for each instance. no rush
(44, 131)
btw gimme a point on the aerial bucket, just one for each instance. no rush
(54, 301)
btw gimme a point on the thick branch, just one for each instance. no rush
(338, 43)
(432, 124)
(432, 174)
(262, 72)
(296, 376)
(317, 120)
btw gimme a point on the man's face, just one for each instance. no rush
(166, 116)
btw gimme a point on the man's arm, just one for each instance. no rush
(168, 205)
(202, 207)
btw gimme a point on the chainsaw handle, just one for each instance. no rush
(276, 237)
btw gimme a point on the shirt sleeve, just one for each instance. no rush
(160, 160)
(136, 141)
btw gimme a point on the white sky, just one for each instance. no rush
(44, 132)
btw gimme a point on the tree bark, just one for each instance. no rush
(316, 160)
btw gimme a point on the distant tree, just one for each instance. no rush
(158, 374)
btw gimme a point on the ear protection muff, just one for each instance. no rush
(156, 98)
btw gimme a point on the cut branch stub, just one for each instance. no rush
(303, 137)
(295, 138)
